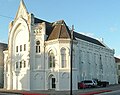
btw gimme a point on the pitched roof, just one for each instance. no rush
(37, 20)
(59, 29)
(4, 46)
(49, 27)
(89, 39)
(117, 60)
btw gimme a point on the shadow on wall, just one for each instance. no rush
(38, 77)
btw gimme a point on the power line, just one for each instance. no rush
(6, 16)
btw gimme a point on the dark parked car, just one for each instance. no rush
(101, 83)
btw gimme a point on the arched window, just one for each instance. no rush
(63, 57)
(37, 46)
(51, 62)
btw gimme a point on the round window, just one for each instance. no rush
(38, 42)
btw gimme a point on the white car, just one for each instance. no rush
(90, 83)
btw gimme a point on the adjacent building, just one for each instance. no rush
(39, 54)
(117, 60)
(3, 47)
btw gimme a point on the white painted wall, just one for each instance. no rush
(89, 62)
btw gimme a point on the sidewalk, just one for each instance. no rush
(88, 91)
(96, 92)
(52, 92)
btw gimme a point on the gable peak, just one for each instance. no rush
(22, 3)
(22, 10)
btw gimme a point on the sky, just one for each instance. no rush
(95, 18)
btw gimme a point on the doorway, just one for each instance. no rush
(52, 82)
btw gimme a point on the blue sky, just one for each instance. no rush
(96, 18)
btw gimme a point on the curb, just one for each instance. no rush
(32, 94)
(98, 92)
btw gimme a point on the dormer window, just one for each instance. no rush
(37, 46)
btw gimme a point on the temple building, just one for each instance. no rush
(39, 55)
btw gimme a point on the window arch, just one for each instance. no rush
(37, 46)
(63, 58)
(51, 62)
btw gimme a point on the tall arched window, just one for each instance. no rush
(37, 46)
(63, 57)
(51, 62)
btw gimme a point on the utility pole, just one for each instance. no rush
(71, 59)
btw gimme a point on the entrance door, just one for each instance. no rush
(53, 83)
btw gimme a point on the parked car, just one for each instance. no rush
(87, 84)
(101, 83)
(90, 83)
(81, 85)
